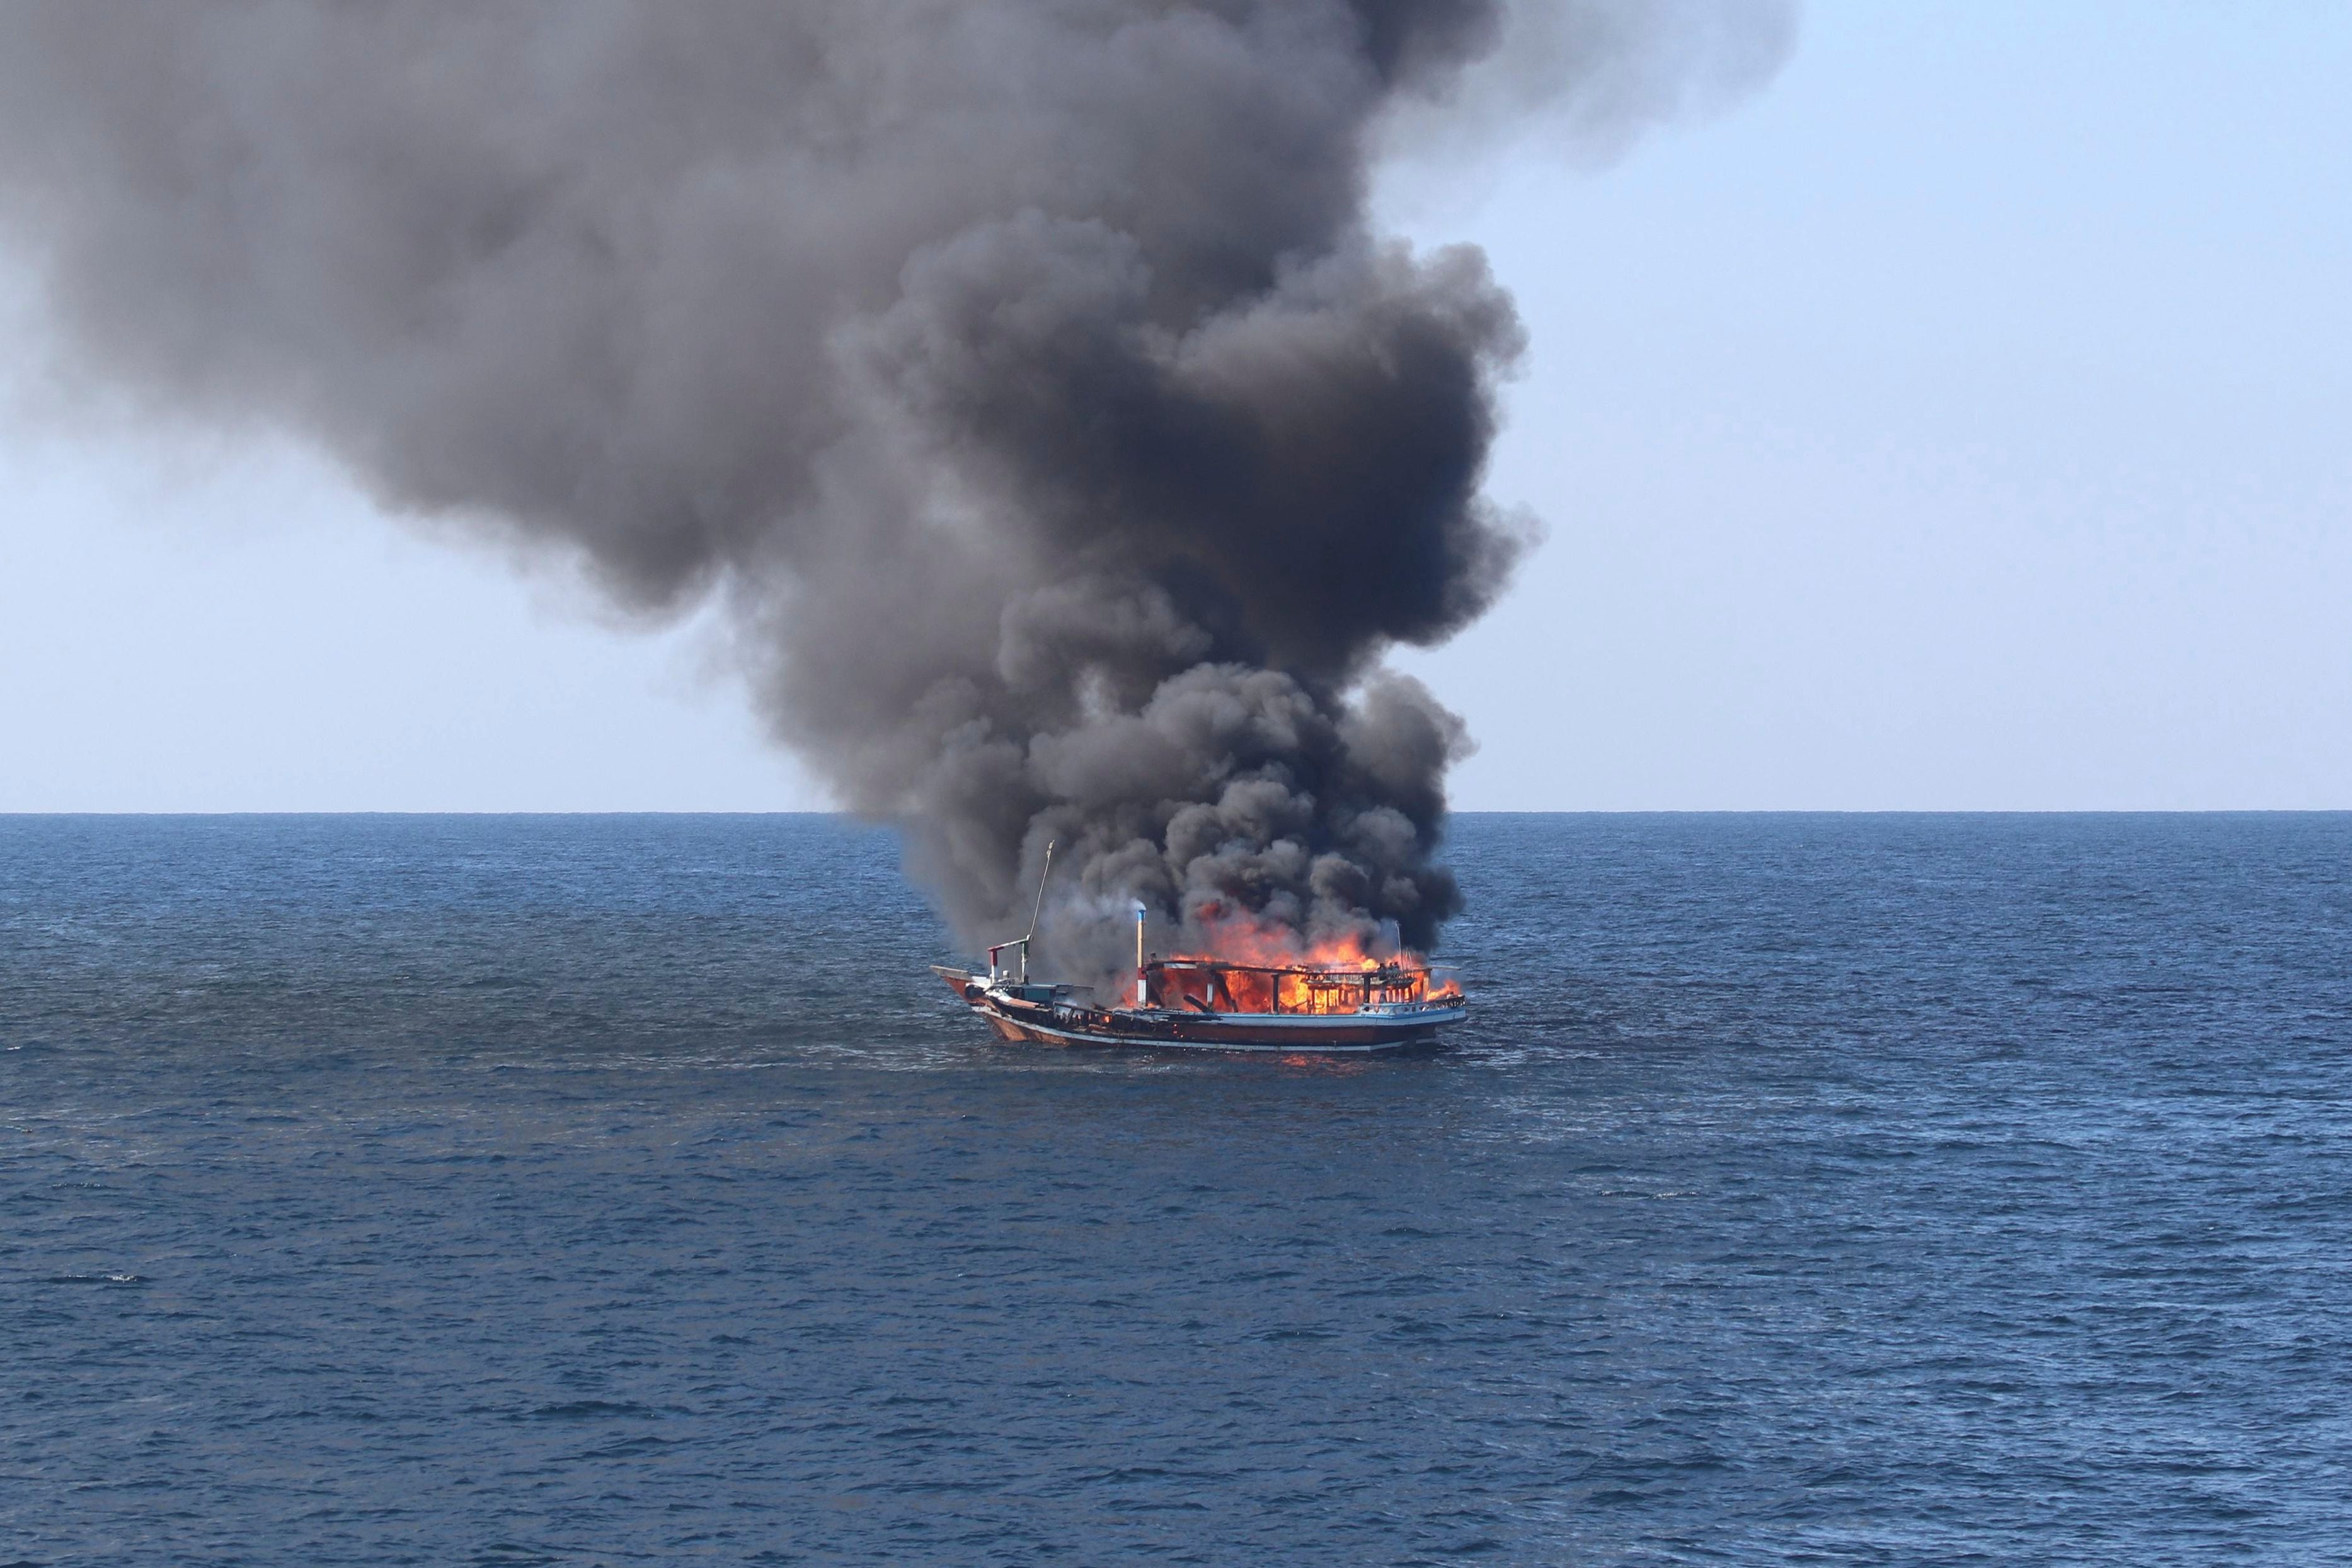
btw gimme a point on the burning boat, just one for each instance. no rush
(1350, 1003)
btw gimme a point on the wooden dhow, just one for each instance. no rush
(1346, 1005)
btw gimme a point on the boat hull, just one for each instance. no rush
(1165, 1029)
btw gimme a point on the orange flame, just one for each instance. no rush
(1246, 939)
(1263, 966)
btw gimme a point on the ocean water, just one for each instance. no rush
(600, 1190)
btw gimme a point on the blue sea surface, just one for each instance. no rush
(1815, 1189)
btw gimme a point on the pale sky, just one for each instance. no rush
(1962, 422)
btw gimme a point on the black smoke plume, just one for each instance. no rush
(1025, 374)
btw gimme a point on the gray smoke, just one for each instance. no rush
(1024, 374)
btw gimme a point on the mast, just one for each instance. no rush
(1022, 941)
(1036, 910)
(1141, 999)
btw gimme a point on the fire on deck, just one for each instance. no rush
(1211, 1004)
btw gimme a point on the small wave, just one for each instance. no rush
(587, 1409)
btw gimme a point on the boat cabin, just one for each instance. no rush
(1214, 985)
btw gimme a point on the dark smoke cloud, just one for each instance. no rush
(1024, 373)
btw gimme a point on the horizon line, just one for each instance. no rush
(7, 814)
